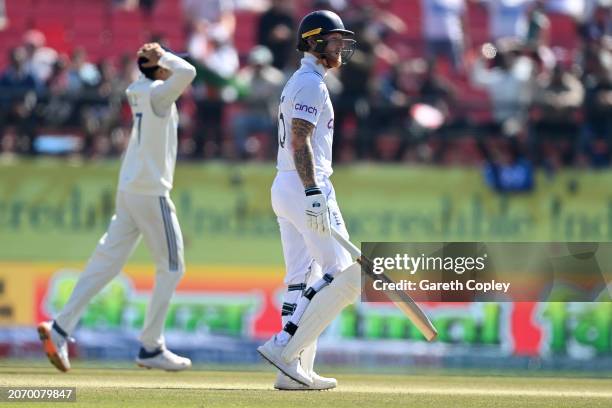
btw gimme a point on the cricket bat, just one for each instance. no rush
(401, 299)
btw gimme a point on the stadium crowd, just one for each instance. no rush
(503, 89)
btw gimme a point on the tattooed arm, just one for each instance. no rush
(301, 131)
(317, 215)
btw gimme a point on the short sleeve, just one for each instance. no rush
(308, 102)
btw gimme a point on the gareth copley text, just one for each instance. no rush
(456, 285)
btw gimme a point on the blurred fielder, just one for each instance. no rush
(312, 256)
(143, 208)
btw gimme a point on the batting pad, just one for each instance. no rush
(323, 309)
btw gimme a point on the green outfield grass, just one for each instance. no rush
(252, 387)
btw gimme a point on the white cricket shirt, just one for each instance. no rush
(305, 96)
(150, 158)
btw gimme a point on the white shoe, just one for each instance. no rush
(163, 359)
(55, 345)
(319, 383)
(272, 352)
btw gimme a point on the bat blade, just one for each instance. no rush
(400, 299)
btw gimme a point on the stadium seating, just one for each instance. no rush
(105, 31)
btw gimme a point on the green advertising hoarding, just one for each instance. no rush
(56, 210)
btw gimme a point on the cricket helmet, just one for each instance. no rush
(317, 24)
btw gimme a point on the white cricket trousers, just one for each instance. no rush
(300, 244)
(136, 215)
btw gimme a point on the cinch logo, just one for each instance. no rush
(330, 124)
(309, 109)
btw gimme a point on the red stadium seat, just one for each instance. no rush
(168, 10)
(94, 44)
(246, 29)
(52, 11)
(19, 23)
(128, 30)
(563, 31)
(90, 10)
(9, 38)
(173, 33)
(478, 24)
(16, 8)
(89, 26)
(410, 13)
(55, 34)
(126, 22)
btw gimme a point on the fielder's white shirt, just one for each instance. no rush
(150, 158)
(306, 97)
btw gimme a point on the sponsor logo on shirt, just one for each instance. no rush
(305, 108)
(330, 124)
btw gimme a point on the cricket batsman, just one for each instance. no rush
(143, 208)
(320, 276)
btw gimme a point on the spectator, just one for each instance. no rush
(508, 86)
(437, 91)
(18, 98)
(599, 25)
(393, 87)
(222, 57)
(572, 8)
(337, 6)
(538, 37)
(146, 6)
(205, 16)
(220, 64)
(101, 114)
(395, 92)
(3, 19)
(17, 79)
(81, 74)
(508, 18)
(127, 72)
(418, 99)
(357, 79)
(557, 99)
(265, 83)
(597, 129)
(8, 145)
(59, 106)
(538, 26)
(276, 31)
(380, 25)
(212, 13)
(444, 29)
(40, 58)
(506, 168)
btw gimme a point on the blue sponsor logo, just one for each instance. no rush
(305, 108)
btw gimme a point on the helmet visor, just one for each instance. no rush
(346, 46)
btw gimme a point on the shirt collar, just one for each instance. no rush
(311, 62)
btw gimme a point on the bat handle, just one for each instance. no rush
(346, 244)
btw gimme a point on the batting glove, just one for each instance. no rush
(317, 216)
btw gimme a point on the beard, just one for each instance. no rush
(332, 60)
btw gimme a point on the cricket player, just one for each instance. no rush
(304, 202)
(143, 208)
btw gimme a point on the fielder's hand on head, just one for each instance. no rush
(317, 215)
(151, 51)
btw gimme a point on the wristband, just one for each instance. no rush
(312, 191)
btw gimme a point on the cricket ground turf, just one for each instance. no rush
(107, 386)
